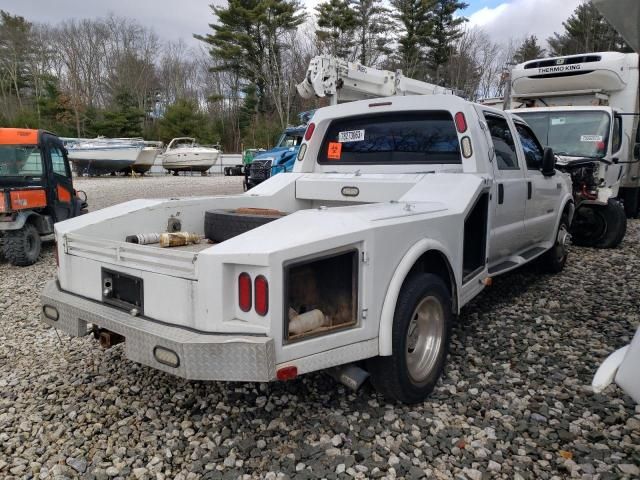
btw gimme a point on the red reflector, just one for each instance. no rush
(244, 292)
(262, 295)
(461, 122)
(287, 373)
(309, 131)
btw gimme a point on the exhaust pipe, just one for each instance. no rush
(350, 376)
(108, 339)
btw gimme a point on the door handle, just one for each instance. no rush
(500, 194)
(529, 190)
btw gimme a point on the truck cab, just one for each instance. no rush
(586, 108)
(397, 213)
(280, 158)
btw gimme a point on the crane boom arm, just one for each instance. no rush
(348, 81)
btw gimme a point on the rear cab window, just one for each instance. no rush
(423, 137)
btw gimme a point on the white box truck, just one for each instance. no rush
(586, 108)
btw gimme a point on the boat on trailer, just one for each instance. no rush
(183, 154)
(147, 157)
(101, 156)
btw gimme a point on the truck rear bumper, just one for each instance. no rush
(200, 356)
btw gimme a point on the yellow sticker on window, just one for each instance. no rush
(334, 151)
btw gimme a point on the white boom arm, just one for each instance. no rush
(347, 81)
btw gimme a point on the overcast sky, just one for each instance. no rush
(171, 19)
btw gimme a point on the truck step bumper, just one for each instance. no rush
(200, 356)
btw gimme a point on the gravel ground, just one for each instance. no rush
(515, 402)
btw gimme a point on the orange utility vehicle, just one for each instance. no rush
(36, 190)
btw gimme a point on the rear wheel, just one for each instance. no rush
(22, 247)
(600, 226)
(420, 341)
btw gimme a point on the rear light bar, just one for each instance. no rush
(244, 292)
(262, 295)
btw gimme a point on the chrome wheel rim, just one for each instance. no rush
(562, 242)
(424, 339)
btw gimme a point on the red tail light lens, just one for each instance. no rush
(262, 295)
(244, 292)
(287, 373)
(461, 122)
(309, 131)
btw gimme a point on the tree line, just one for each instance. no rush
(114, 77)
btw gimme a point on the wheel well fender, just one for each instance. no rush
(569, 208)
(427, 256)
(19, 221)
(43, 223)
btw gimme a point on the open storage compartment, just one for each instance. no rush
(321, 295)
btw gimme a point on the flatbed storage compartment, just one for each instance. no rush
(321, 295)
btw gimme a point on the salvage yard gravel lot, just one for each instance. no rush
(515, 401)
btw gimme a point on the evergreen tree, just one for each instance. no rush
(373, 30)
(586, 30)
(445, 31)
(247, 39)
(529, 50)
(15, 50)
(414, 20)
(182, 119)
(124, 119)
(336, 32)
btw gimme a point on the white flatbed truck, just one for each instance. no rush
(586, 108)
(399, 211)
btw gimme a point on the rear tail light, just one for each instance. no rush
(309, 131)
(244, 292)
(287, 373)
(262, 295)
(461, 122)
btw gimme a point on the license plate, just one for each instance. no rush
(122, 290)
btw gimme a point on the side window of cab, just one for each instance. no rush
(533, 151)
(616, 142)
(58, 162)
(503, 141)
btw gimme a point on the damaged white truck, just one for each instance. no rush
(586, 107)
(399, 211)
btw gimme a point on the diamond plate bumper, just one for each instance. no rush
(203, 356)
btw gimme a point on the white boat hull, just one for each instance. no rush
(102, 160)
(145, 159)
(199, 161)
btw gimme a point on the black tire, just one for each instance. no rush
(555, 258)
(221, 225)
(630, 199)
(391, 376)
(600, 226)
(22, 247)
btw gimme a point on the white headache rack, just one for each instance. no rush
(344, 81)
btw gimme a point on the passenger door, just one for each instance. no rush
(542, 192)
(510, 192)
(61, 193)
